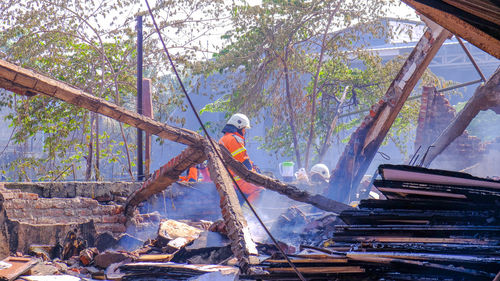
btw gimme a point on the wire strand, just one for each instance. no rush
(215, 149)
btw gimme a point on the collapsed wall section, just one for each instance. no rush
(436, 113)
(30, 208)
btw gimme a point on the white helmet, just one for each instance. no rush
(239, 120)
(322, 170)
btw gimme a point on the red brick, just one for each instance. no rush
(118, 228)
(28, 196)
(110, 219)
(85, 212)
(8, 195)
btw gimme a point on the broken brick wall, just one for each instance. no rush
(101, 191)
(30, 208)
(436, 113)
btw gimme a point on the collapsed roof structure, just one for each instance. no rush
(481, 21)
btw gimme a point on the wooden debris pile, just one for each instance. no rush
(434, 225)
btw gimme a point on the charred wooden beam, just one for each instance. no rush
(27, 82)
(366, 140)
(238, 231)
(485, 97)
(290, 191)
(459, 26)
(164, 177)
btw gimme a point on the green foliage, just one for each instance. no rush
(91, 45)
(485, 125)
(279, 35)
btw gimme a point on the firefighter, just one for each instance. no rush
(319, 173)
(234, 141)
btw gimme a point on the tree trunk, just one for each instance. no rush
(327, 143)
(291, 114)
(485, 97)
(315, 89)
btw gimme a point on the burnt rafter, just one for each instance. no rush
(366, 140)
(164, 177)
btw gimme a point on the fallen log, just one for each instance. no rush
(485, 97)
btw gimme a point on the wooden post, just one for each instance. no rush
(147, 110)
(140, 167)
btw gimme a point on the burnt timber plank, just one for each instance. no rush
(239, 233)
(396, 216)
(164, 177)
(326, 269)
(366, 140)
(427, 204)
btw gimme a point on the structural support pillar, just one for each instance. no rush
(366, 140)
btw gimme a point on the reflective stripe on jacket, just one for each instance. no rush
(235, 143)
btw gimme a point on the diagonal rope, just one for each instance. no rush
(215, 149)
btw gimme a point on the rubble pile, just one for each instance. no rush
(435, 225)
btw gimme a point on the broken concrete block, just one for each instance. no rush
(128, 242)
(171, 229)
(45, 268)
(176, 244)
(103, 260)
(105, 241)
(41, 251)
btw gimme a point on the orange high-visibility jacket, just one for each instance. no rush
(192, 175)
(235, 143)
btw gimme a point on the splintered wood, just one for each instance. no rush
(236, 225)
(366, 140)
